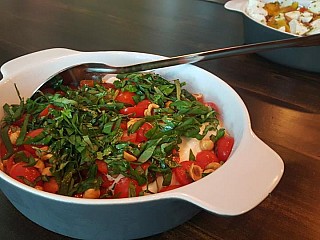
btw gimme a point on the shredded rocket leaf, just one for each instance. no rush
(84, 125)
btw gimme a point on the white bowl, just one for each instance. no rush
(251, 173)
(303, 58)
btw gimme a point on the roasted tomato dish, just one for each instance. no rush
(126, 136)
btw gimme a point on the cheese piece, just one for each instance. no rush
(293, 15)
(256, 11)
(306, 17)
(314, 7)
(315, 27)
(286, 3)
(297, 28)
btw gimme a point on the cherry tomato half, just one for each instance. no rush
(123, 125)
(213, 106)
(224, 147)
(87, 83)
(108, 85)
(105, 181)
(11, 161)
(20, 121)
(48, 90)
(175, 156)
(142, 131)
(102, 166)
(129, 138)
(45, 112)
(32, 134)
(168, 188)
(122, 188)
(182, 172)
(51, 186)
(133, 111)
(144, 103)
(137, 110)
(205, 157)
(126, 97)
(3, 150)
(21, 170)
(60, 92)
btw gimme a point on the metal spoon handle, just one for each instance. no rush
(313, 40)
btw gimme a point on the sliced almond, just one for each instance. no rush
(129, 157)
(213, 166)
(149, 110)
(132, 121)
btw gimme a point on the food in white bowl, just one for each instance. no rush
(256, 30)
(121, 136)
(287, 16)
(252, 171)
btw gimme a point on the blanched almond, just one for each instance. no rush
(129, 157)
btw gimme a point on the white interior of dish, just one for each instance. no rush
(250, 174)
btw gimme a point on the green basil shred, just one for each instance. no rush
(85, 126)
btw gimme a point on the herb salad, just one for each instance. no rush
(112, 140)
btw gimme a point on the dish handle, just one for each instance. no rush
(236, 5)
(244, 181)
(33, 59)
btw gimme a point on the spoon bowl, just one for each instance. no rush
(73, 74)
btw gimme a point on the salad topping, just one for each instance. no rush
(112, 140)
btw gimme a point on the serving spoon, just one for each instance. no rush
(74, 74)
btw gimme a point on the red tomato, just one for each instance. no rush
(32, 134)
(123, 125)
(105, 181)
(134, 111)
(3, 150)
(182, 173)
(108, 85)
(51, 186)
(102, 166)
(199, 97)
(20, 169)
(168, 188)
(126, 97)
(9, 164)
(62, 93)
(48, 91)
(142, 131)
(122, 188)
(103, 191)
(303, 9)
(213, 106)
(20, 121)
(224, 147)
(87, 83)
(175, 156)
(205, 157)
(11, 161)
(45, 112)
(145, 165)
(137, 110)
(129, 138)
(144, 103)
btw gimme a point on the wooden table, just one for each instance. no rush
(284, 103)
